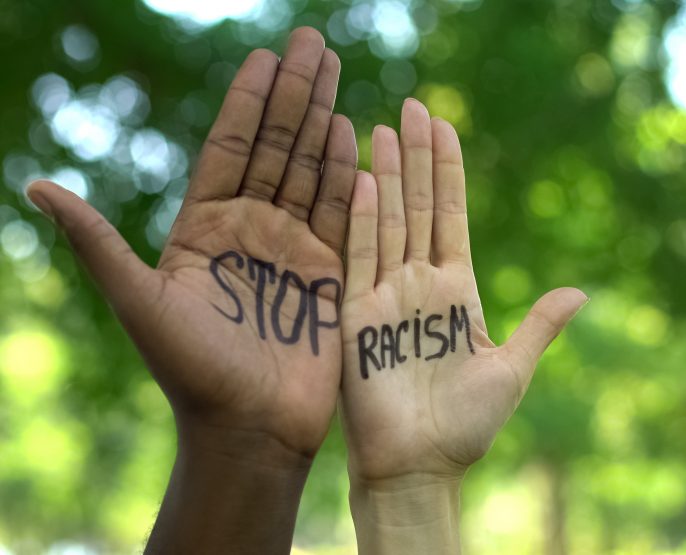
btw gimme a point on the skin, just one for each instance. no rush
(414, 430)
(250, 412)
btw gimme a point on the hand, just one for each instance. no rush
(424, 389)
(239, 322)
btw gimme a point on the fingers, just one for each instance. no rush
(362, 252)
(283, 116)
(299, 185)
(329, 220)
(386, 167)
(450, 238)
(545, 321)
(415, 140)
(124, 279)
(226, 151)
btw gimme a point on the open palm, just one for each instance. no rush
(424, 389)
(239, 321)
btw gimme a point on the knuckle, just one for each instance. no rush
(278, 136)
(300, 71)
(392, 221)
(307, 160)
(363, 253)
(231, 143)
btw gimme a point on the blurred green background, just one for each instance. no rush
(571, 115)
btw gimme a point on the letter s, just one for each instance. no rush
(214, 270)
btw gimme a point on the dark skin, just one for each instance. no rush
(273, 182)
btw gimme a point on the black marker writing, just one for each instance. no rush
(367, 350)
(436, 335)
(404, 326)
(278, 301)
(417, 345)
(456, 325)
(262, 269)
(315, 322)
(214, 269)
(386, 343)
(263, 274)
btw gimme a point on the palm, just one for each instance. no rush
(239, 321)
(434, 410)
(202, 353)
(424, 389)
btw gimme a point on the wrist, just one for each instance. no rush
(239, 446)
(227, 487)
(410, 514)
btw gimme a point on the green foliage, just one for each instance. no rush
(575, 168)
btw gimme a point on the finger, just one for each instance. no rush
(284, 113)
(450, 238)
(124, 279)
(386, 167)
(226, 151)
(542, 324)
(415, 140)
(299, 185)
(329, 220)
(362, 252)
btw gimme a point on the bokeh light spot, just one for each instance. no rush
(86, 127)
(676, 237)
(50, 92)
(50, 449)
(594, 74)
(70, 548)
(398, 76)
(632, 40)
(546, 199)
(125, 98)
(19, 170)
(80, 45)
(512, 284)
(446, 102)
(647, 325)
(396, 29)
(30, 363)
(19, 239)
(156, 160)
(205, 12)
(675, 47)
(73, 180)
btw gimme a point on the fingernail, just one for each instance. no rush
(41, 202)
(582, 305)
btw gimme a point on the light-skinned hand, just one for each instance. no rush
(425, 390)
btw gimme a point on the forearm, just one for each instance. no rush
(406, 516)
(239, 499)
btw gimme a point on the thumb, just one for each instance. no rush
(116, 269)
(542, 324)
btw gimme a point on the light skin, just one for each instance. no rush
(413, 430)
(273, 184)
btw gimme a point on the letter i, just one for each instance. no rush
(417, 346)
